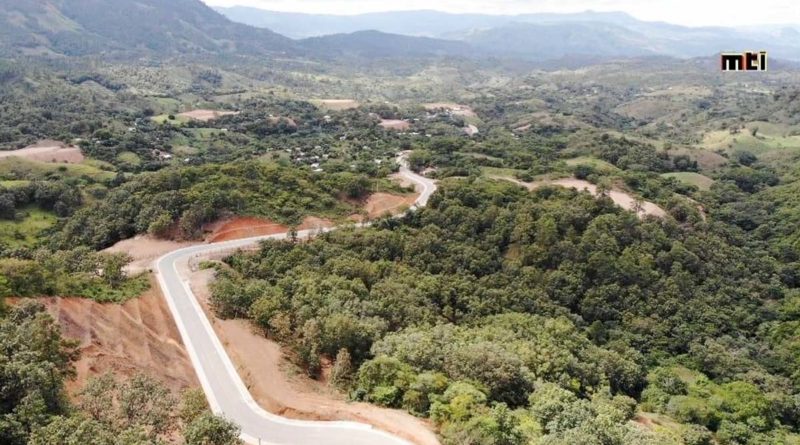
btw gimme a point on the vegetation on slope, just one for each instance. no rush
(544, 317)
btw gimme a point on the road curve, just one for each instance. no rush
(226, 392)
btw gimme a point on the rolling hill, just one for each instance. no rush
(380, 44)
(80, 27)
(551, 41)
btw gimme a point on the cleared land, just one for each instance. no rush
(706, 159)
(619, 197)
(336, 104)
(702, 182)
(26, 232)
(138, 336)
(248, 226)
(18, 168)
(380, 204)
(47, 151)
(756, 137)
(395, 124)
(453, 108)
(204, 115)
(144, 249)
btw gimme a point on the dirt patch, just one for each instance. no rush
(314, 223)
(337, 104)
(245, 227)
(248, 226)
(279, 388)
(48, 151)
(144, 249)
(206, 115)
(395, 124)
(619, 197)
(452, 108)
(470, 130)
(523, 128)
(289, 122)
(138, 336)
(380, 204)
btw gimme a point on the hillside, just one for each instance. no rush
(558, 40)
(81, 27)
(380, 44)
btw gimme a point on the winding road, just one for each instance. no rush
(226, 392)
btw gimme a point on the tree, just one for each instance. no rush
(140, 406)
(112, 265)
(342, 372)
(73, 430)
(193, 404)
(208, 429)
(34, 362)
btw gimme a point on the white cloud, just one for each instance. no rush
(686, 12)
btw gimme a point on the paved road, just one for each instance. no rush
(226, 393)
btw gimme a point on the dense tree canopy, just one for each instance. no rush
(493, 302)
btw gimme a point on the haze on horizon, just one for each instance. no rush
(682, 12)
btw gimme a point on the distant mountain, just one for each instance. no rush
(594, 33)
(553, 41)
(413, 23)
(175, 27)
(78, 27)
(379, 44)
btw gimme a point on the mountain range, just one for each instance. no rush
(79, 27)
(175, 27)
(544, 35)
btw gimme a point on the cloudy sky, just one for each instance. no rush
(685, 12)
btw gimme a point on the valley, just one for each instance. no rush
(224, 225)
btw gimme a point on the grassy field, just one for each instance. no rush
(706, 159)
(12, 183)
(598, 164)
(164, 118)
(204, 133)
(768, 137)
(129, 158)
(497, 171)
(26, 232)
(167, 104)
(335, 104)
(14, 168)
(480, 156)
(702, 182)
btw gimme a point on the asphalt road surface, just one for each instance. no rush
(225, 390)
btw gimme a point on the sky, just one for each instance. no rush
(683, 12)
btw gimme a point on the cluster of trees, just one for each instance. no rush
(78, 272)
(35, 362)
(493, 301)
(179, 201)
(629, 154)
(58, 196)
(740, 412)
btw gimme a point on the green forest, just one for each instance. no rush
(550, 317)
(508, 311)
